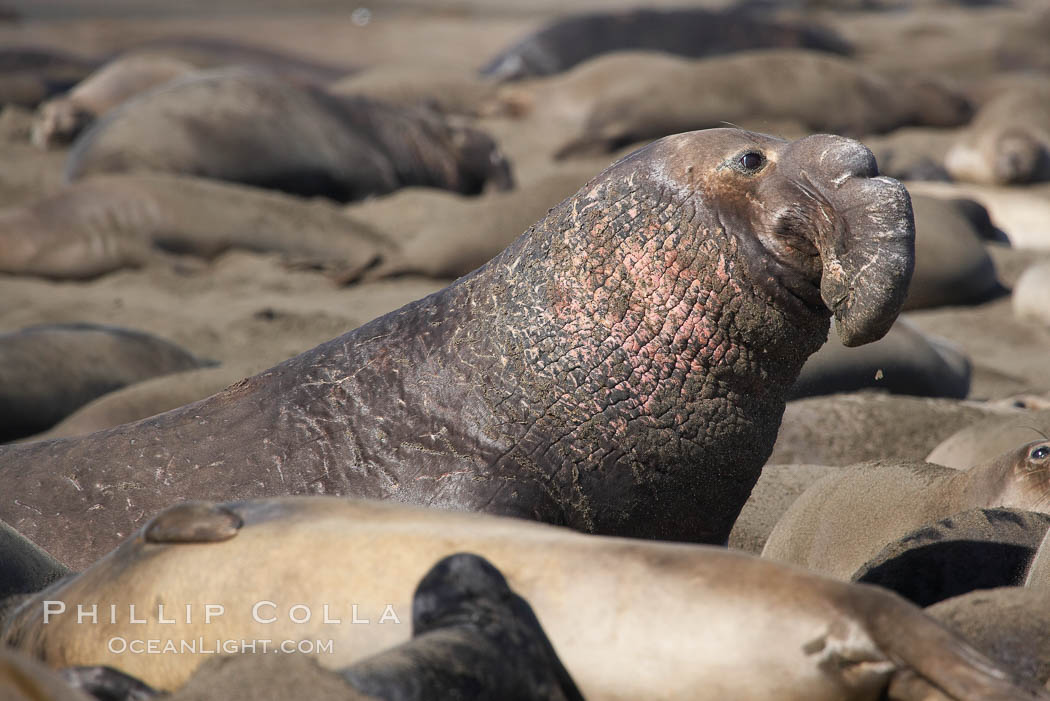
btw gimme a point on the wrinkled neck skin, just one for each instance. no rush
(616, 370)
(620, 370)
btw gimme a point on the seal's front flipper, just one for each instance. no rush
(936, 663)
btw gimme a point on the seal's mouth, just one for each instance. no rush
(793, 261)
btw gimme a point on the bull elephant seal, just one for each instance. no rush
(46, 372)
(1007, 143)
(764, 630)
(253, 128)
(621, 368)
(970, 550)
(842, 521)
(692, 32)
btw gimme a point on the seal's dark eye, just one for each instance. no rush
(751, 161)
(1040, 452)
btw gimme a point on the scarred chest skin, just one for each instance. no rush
(621, 368)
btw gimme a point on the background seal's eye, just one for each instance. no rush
(1040, 452)
(751, 161)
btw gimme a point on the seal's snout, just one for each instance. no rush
(868, 255)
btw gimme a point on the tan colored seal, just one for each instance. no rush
(1008, 141)
(631, 96)
(983, 440)
(845, 429)
(628, 618)
(109, 222)
(60, 119)
(843, 520)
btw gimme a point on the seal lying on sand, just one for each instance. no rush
(1008, 624)
(472, 637)
(619, 99)
(109, 222)
(692, 32)
(904, 361)
(621, 368)
(845, 519)
(845, 429)
(147, 398)
(48, 371)
(253, 128)
(763, 630)
(952, 266)
(60, 119)
(1008, 141)
(442, 234)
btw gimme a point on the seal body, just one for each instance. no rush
(620, 368)
(1006, 623)
(447, 235)
(48, 371)
(627, 617)
(692, 32)
(904, 361)
(1008, 141)
(952, 266)
(840, 522)
(254, 128)
(108, 222)
(60, 119)
(846, 429)
(619, 99)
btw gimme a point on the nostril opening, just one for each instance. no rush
(860, 162)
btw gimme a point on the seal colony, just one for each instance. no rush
(621, 368)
